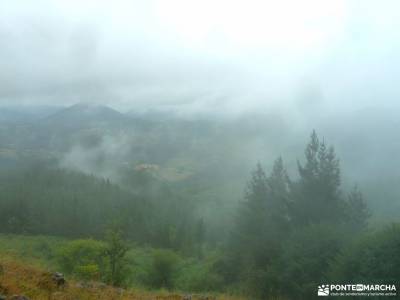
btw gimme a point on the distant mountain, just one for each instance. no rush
(13, 114)
(57, 130)
(84, 115)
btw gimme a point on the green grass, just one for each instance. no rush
(38, 249)
(190, 274)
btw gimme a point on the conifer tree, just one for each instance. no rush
(246, 240)
(279, 201)
(317, 193)
(357, 210)
(263, 216)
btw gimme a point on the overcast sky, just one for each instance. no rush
(202, 55)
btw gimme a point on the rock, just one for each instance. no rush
(58, 279)
(2, 297)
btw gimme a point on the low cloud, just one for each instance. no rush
(211, 56)
(103, 156)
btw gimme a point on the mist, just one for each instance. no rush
(309, 65)
(208, 150)
(210, 57)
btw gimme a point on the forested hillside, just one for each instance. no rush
(283, 225)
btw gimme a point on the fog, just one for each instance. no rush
(100, 158)
(224, 56)
(309, 64)
(199, 149)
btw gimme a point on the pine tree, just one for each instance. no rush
(279, 201)
(357, 210)
(309, 172)
(318, 196)
(261, 225)
(200, 232)
(246, 240)
(263, 216)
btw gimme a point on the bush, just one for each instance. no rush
(88, 272)
(83, 258)
(44, 248)
(163, 268)
(198, 276)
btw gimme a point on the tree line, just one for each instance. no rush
(53, 201)
(288, 235)
(288, 232)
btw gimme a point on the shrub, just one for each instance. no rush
(88, 272)
(199, 275)
(83, 258)
(163, 267)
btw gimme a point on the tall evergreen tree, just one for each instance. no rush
(317, 193)
(200, 232)
(252, 218)
(357, 210)
(262, 218)
(278, 204)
